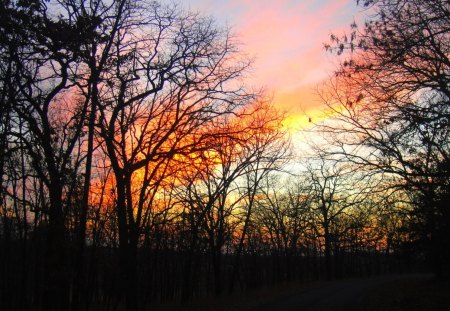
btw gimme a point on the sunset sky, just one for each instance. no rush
(286, 38)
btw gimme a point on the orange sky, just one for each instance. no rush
(286, 37)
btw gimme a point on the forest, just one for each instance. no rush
(137, 167)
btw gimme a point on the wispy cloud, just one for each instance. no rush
(286, 37)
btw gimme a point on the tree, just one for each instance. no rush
(46, 116)
(219, 191)
(268, 150)
(141, 79)
(170, 74)
(337, 192)
(282, 213)
(390, 99)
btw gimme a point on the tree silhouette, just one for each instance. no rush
(48, 117)
(137, 168)
(390, 98)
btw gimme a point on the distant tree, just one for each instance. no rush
(337, 193)
(390, 99)
(267, 150)
(282, 213)
(220, 192)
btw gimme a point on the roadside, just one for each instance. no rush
(415, 294)
(408, 292)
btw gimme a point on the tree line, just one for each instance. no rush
(138, 168)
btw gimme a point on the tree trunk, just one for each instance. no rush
(81, 232)
(127, 250)
(328, 262)
(56, 291)
(131, 293)
(217, 267)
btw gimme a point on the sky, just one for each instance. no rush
(286, 39)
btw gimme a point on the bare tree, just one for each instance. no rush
(391, 99)
(48, 116)
(170, 74)
(336, 190)
(283, 214)
(221, 191)
(269, 149)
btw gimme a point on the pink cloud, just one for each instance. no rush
(286, 37)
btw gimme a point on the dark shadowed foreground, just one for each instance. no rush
(354, 294)
(412, 292)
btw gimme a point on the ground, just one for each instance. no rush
(383, 293)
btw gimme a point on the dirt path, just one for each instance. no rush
(333, 295)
